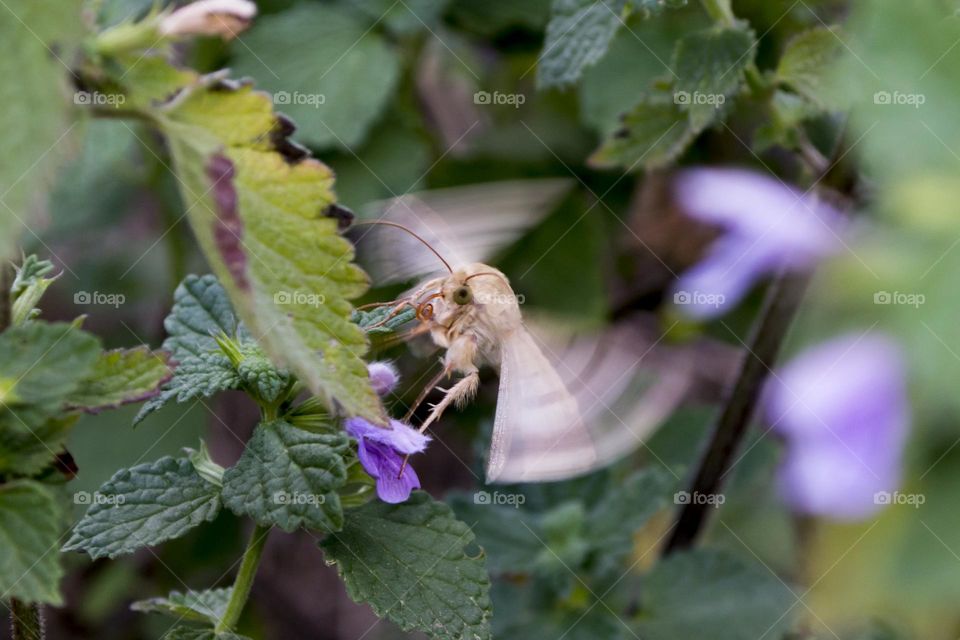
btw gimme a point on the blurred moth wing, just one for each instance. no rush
(538, 432)
(464, 224)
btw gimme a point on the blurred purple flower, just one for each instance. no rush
(842, 407)
(765, 225)
(383, 377)
(381, 452)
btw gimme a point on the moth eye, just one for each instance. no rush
(462, 295)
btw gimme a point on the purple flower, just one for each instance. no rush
(842, 407)
(765, 225)
(383, 377)
(381, 453)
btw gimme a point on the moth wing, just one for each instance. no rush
(628, 380)
(464, 224)
(538, 432)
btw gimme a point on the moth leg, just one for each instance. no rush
(458, 394)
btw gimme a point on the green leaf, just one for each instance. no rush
(27, 452)
(120, 377)
(31, 519)
(787, 112)
(192, 606)
(288, 477)
(653, 134)
(808, 61)
(263, 212)
(312, 58)
(28, 287)
(408, 561)
(615, 520)
(34, 96)
(510, 537)
(706, 589)
(579, 33)
(379, 321)
(198, 633)
(144, 506)
(710, 65)
(40, 365)
(201, 311)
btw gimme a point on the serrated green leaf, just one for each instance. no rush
(201, 311)
(310, 58)
(808, 61)
(709, 65)
(706, 589)
(196, 606)
(31, 519)
(40, 365)
(144, 506)
(259, 376)
(195, 633)
(120, 377)
(408, 562)
(258, 205)
(34, 101)
(579, 33)
(288, 477)
(653, 134)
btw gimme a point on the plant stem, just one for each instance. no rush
(720, 11)
(26, 620)
(779, 309)
(244, 580)
(6, 303)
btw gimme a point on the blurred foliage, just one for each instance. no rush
(398, 97)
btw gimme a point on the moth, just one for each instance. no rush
(547, 390)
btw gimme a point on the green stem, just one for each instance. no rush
(27, 622)
(244, 581)
(720, 11)
(6, 302)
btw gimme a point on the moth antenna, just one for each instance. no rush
(486, 273)
(412, 233)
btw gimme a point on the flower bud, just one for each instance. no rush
(383, 377)
(224, 18)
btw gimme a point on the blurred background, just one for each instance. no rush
(424, 94)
